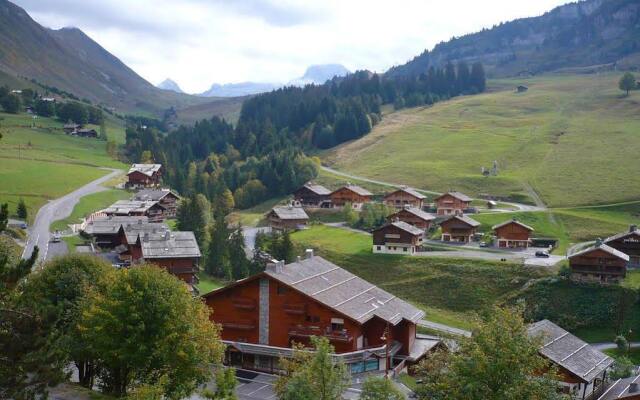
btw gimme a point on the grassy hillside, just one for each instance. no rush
(40, 163)
(567, 138)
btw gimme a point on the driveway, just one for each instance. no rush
(55, 210)
(249, 234)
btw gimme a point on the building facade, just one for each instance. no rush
(264, 315)
(512, 234)
(313, 196)
(153, 210)
(452, 203)
(459, 228)
(403, 197)
(397, 237)
(413, 216)
(628, 243)
(355, 195)
(287, 218)
(600, 263)
(144, 175)
(165, 197)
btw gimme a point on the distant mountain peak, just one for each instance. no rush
(319, 74)
(169, 84)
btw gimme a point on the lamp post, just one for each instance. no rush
(386, 336)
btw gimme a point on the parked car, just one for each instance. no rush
(484, 244)
(23, 225)
(542, 254)
(56, 237)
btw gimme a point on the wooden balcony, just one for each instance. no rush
(309, 331)
(244, 303)
(295, 309)
(239, 325)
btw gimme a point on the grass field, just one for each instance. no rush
(40, 163)
(562, 138)
(451, 291)
(208, 283)
(89, 204)
(633, 354)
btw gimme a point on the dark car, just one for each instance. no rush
(542, 254)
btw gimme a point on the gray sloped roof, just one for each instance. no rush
(568, 351)
(457, 195)
(344, 292)
(620, 389)
(169, 245)
(410, 191)
(404, 226)
(420, 214)
(129, 206)
(289, 212)
(153, 194)
(147, 169)
(132, 231)
(512, 221)
(467, 220)
(605, 248)
(622, 235)
(107, 225)
(356, 189)
(318, 189)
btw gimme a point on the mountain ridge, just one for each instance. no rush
(169, 84)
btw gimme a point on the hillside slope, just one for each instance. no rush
(571, 138)
(578, 34)
(72, 61)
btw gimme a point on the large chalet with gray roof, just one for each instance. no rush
(413, 216)
(624, 389)
(627, 242)
(600, 263)
(313, 196)
(458, 228)
(452, 203)
(167, 198)
(582, 369)
(137, 208)
(264, 315)
(397, 237)
(144, 175)
(287, 218)
(350, 194)
(403, 197)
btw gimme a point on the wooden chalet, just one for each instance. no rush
(287, 218)
(625, 389)
(458, 228)
(71, 128)
(353, 194)
(512, 234)
(264, 315)
(311, 195)
(90, 133)
(600, 263)
(413, 216)
(144, 175)
(137, 208)
(177, 252)
(105, 230)
(397, 237)
(452, 203)
(167, 198)
(403, 197)
(582, 369)
(628, 243)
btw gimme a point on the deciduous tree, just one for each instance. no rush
(380, 388)
(627, 82)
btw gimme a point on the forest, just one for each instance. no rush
(265, 154)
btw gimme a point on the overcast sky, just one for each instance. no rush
(199, 42)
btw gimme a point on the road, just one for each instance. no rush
(443, 328)
(520, 207)
(55, 210)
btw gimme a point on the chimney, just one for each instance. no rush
(145, 238)
(633, 228)
(276, 266)
(633, 387)
(167, 235)
(308, 254)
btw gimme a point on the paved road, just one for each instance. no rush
(519, 206)
(55, 210)
(611, 345)
(249, 234)
(443, 328)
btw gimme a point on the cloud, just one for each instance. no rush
(199, 42)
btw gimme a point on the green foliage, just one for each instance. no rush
(497, 362)
(194, 214)
(379, 388)
(21, 210)
(279, 245)
(372, 216)
(312, 376)
(4, 216)
(240, 265)
(622, 368)
(74, 112)
(226, 383)
(349, 215)
(45, 108)
(218, 250)
(145, 326)
(621, 343)
(11, 103)
(627, 82)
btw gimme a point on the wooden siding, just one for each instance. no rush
(411, 219)
(400, 198)
(344, 195)
(597, 266)
(448, 204)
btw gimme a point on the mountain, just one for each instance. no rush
(319, 74)
(169, 84)
(238, 89)
(70, 60)
(581, 34)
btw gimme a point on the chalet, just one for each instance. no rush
(405, 196)
(451, 203)
(628, 243)
(413, 216)
(166, 197)
(625, 389)
(353, 194)
(459, 228)
(144, 175)
(136, 208)
(512, 234)
(71, 128)
(582, 369)
(521, 89)
(600, 263)
(84, 132)
(264, 315)
(287, 218)
(311, 195)
(177, 252)
(397, 238)
(105, 230)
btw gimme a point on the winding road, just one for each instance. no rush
(58, 209)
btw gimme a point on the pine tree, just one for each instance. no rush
(478, 79)
(218, 252)
(237, 255)
(287, 250)
(4, 216)
(21, 210)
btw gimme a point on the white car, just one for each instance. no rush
(56, 237)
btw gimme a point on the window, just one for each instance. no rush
(312, 318)
(357, 368)
(404, 249)
(372, 364)
(337, 324)
(377, 247)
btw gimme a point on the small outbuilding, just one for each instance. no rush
(287, 218)
(521, 89)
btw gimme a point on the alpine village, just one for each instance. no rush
(462, 225)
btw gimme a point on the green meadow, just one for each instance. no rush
(561, 139)
(89, 204)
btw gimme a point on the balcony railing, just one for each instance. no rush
(243, 303)
(295, 309)
(239, 325)
(334, 336)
